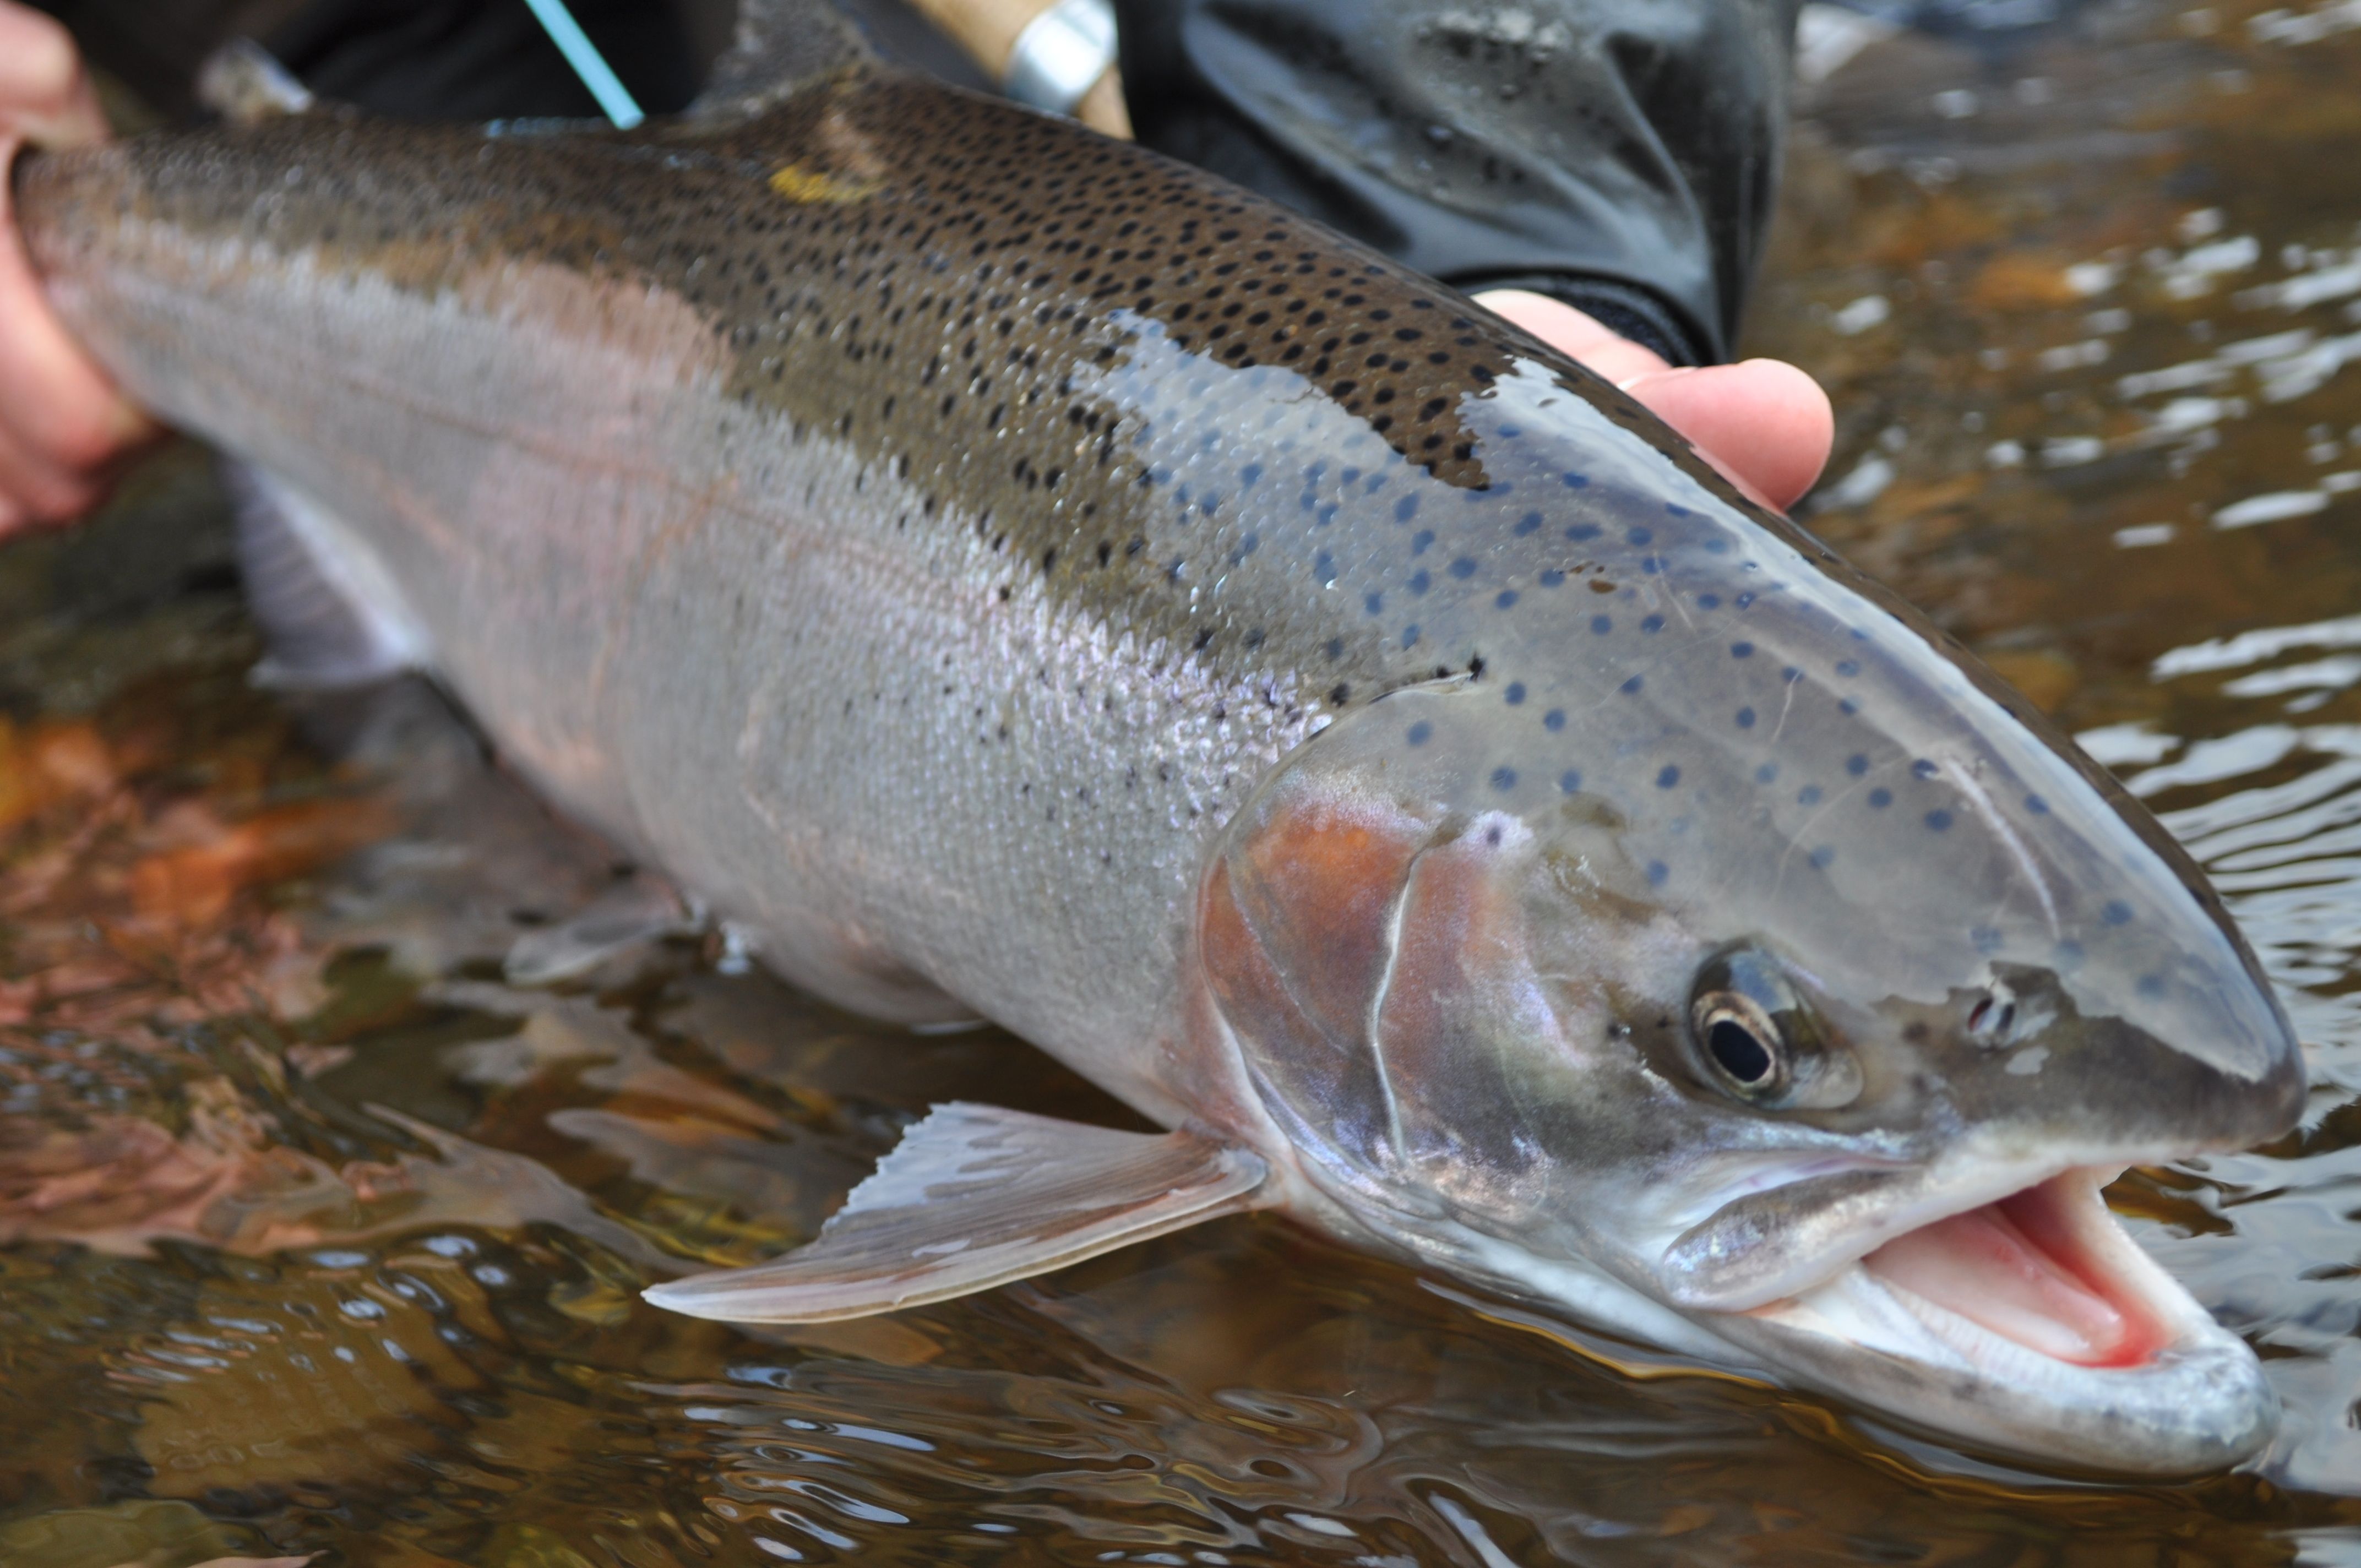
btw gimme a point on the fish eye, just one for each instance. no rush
(1748, 1024)
(1740, 1040)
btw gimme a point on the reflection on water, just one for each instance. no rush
(326, 1231)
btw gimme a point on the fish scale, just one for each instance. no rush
(1011, 575)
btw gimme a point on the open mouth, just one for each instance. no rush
(2045, 1269)
(2032, 1323)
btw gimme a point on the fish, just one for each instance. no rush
(1006, 575)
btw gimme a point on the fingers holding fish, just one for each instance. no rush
(1764, 424)
(46, 96)
(63, 423)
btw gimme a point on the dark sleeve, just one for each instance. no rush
(463, 59)
(1617, 154)
(468, 60)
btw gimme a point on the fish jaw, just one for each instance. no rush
(2031, 1323)
(2030, 1326)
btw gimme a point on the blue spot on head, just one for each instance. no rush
(1582, 530)
(1405, 509)
(1746, 719)
(1857, 634)
(1420, 539)
(1348, 476)
(1504, 778)
(1527, 523)
(1657, 872)
(1327, 515)
(1849, 707)
(1766, 772)
(1808, 795)
(1504, 598)
(1717, 546)
(1676, 510)
(1374, 604)
(1552, 578)
(1639, 536)
(1420, 733)
(1516, 693)
(1464, 568)
(1573, 481)
(1847, 668)
(2035, 805)
(1323, 568)
(1880, 798)
(2115, 911)
(1743, 600)
(2151, 985)
(1627, 687)
(1938, 820)
(1250, 473)
(1856, 764)
(1987, 938)
(1709, 601)
(1741, 650)
(1653, 623)
(1420, 581)
(1410, 635)
(1554, 720)
(2070, 955)
(1652, 565)
(1924, 768)
(1569, 781)
(1824, 857)
(1790, 675)
(1601, 625)
(1669, 777)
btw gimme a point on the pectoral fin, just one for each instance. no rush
(974, 1197)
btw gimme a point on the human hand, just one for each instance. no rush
(63, 423)
(1765, 424)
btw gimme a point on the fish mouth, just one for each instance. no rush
(2031, 1322)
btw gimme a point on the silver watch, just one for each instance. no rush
(1060, 54)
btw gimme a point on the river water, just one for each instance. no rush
(327, 1204)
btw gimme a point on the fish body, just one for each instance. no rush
(1010, 575)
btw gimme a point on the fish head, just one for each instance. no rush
(1808, 1052)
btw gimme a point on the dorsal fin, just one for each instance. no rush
(244, 83)
(781, 46)
(975, 1196)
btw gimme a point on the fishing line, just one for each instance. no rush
(614, 99)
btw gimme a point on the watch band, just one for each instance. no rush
(1060, 54)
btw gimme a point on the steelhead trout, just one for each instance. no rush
(1009, 575)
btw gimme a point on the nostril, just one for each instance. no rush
(1976, 1017)
(2007, 1019)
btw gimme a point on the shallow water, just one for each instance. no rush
(324, 1237)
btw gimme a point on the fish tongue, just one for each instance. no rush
(1981, 1266)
